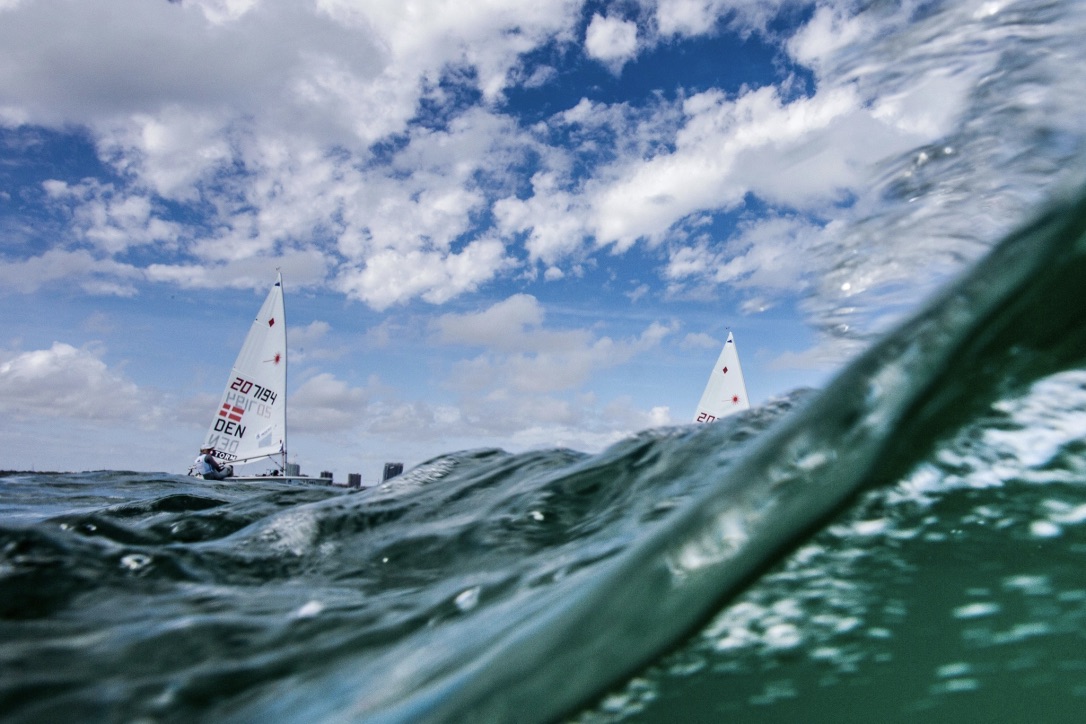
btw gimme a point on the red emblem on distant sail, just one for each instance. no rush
(271, 322)
(735, 399)
(725, 370)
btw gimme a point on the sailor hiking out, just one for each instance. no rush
(209, 468)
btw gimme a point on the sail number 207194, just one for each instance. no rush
(244, 386)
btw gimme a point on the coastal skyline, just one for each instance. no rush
(499, 225)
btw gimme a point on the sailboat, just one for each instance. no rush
(725, 392)
(250, 424)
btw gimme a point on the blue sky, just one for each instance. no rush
(499, 223)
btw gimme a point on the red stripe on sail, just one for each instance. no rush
(234, 413)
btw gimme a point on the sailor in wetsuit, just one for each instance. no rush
(209, 468)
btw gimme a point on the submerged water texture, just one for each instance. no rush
(909, 541)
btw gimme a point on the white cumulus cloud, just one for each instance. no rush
(611, 40)
(67, 382)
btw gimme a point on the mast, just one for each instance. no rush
(286, 367)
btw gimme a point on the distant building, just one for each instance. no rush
(392, 470)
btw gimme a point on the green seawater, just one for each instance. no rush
(907, 542)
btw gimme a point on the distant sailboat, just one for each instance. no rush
(250, 423)
(725, 392)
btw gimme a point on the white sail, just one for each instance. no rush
(250, 422)
(726, 392)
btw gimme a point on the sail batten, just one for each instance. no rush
(726, 391)
(250, 423)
